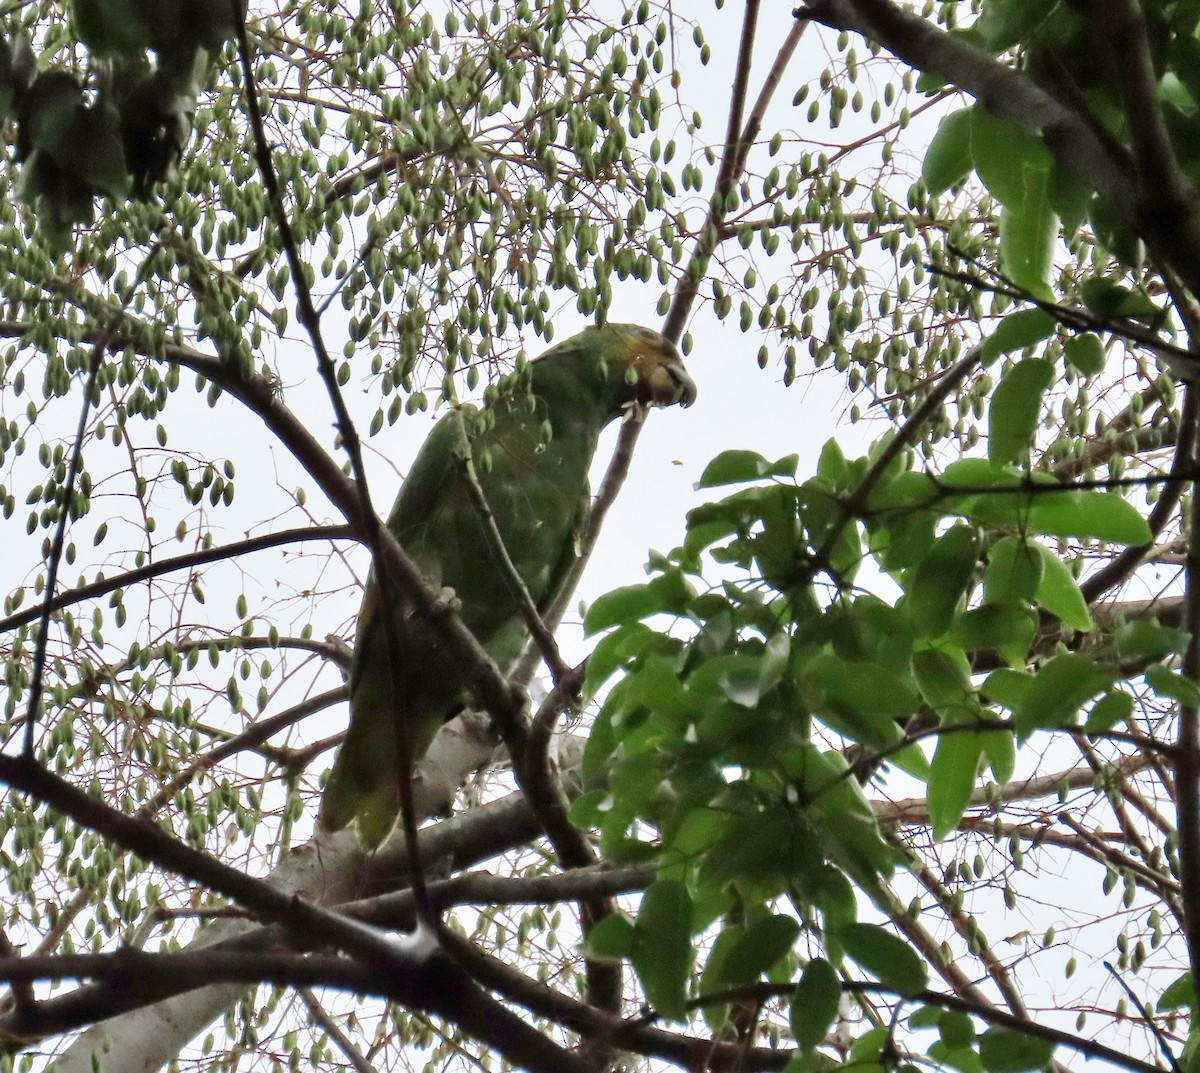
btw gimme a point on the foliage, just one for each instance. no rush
(873, 701)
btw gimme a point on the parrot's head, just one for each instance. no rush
(646, 362)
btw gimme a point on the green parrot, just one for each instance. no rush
(532, 447)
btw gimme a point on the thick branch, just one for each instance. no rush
(1173, 229)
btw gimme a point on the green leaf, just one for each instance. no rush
(1016, 410)
(1179, 992)
(694, 833)
(961, 1059)
(1110, 710)
(1005, 1051)
(737, 467)
(662, 948)
(761, 852)
(1005, 23)
(815, 1003)
(930, 84)
(941, 580)
(843, 819)
(943, 678)
(759, 948)
(1007, 687)
(1086, 353)
(613, 650)
(870, 694)
(763, 673)
(956, 1029)
(1168, 683)
(1018, 330)
(1089, 516)
(611, 939)
(1015, 570)
(948, 158)
(1059, 688)
(1000, 748)
(975, 473)
(716, 1014)
(1142, 639)
(1059, 593)
(1028, 232)
(885, 956)
(668, 593)
(908, 490)
(1003, 153)
(952, 775)
(832, 465)
(925, 1017)
(1108, 299)
(1071, 199)
(1115, 232)
(1000, 626)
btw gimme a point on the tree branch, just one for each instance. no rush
(1187, 759)
(187, 561)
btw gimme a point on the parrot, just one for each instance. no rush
(531, 445)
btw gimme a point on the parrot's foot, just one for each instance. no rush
(448, 601)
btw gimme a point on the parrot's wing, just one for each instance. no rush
(429, 484)
(365, 780)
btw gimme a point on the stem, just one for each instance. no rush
(56, 549)
(1187, 758)
(178, 562)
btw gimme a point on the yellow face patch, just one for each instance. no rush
(659, 376)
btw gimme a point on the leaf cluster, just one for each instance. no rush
(741, 726)
(123, 127)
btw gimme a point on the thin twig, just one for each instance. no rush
(331, 1028)
(1148, 1018)
(255, 734)
(774, 77)
(543, 639)
(1187, 759)
(1076, 318)
(610, 487)
(1160, 886)
(306, 310)
(710, 232)
(66, 503)
(930, 948)
(187, 561)
(906, 435)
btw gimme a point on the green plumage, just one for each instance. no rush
(532, 446)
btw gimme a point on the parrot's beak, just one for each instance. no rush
(666, 384)
(685, 386)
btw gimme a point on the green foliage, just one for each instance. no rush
(815, 1003)
(885, 956)
(715, 736)
(122, 129)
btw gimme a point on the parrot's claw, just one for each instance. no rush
(448, 601)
